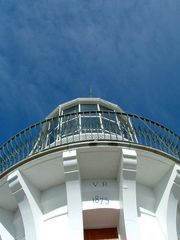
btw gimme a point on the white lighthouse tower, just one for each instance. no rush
(90, 171)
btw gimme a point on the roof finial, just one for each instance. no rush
(90, 91)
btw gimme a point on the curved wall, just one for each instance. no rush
(59, 194)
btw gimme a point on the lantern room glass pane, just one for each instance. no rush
(88, 107)
(53, 129)
(70, 113)
(108, 113)
(70, 127)
(53, 123)
(73, 109)
(90, 124)
(110, 126)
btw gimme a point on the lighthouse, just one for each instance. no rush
(90, 171)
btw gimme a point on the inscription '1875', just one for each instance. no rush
(100, 199)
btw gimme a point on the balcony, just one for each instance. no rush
(88, 126)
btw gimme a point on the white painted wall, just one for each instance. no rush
(18, 225)
(178, 221)
(53, 198)
(56, 227)
(98, 195)
(6, 219)
(145, 197)
(11, 225)
(149, 226)
(4, 233)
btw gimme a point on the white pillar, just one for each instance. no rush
(172, 208)
(74, 200)
(128, 196)
(27, 197)
(166, 202)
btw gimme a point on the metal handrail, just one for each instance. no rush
(83, 126)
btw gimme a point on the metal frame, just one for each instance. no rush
(48, 134)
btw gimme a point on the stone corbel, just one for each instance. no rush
(27, 197)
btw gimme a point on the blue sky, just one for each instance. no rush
(52, 51)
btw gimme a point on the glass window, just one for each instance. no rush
(102, 108)
(110, 126)
(88, 107)
(70, 127)
(52, 137)
(125, 131)
(71, 113)
(70, 110)
(89, 114)
(90, 124)
(108, 113)
(52, 131)
(66, 118)
(53, 123)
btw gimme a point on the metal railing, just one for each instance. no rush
(87, 126)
